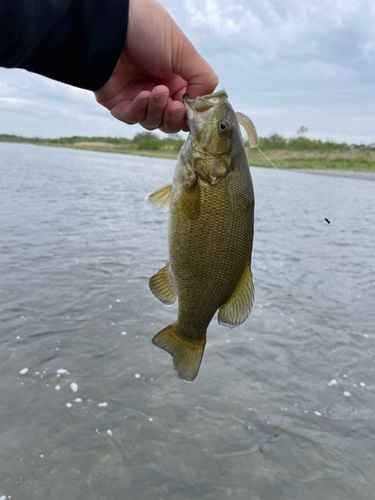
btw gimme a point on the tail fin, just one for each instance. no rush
(187, 354)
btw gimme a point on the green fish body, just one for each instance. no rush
(210, 235)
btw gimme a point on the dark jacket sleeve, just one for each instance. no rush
(73, 41)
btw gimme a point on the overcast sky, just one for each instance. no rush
(285, 63)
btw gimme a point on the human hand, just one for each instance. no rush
(157, 66)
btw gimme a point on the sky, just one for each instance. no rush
(284, 63)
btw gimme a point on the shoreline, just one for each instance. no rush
(351, 174)
(356, 166)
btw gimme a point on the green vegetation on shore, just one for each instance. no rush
(295, 152)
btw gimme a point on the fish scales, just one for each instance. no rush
(208, 250)
(210, 231)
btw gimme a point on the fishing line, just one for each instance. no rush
(252, 136)
(308, 201)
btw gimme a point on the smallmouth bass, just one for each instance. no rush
(210, 234)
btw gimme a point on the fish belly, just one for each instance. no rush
(208, 255)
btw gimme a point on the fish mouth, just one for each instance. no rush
(202, 107)
(205, 102)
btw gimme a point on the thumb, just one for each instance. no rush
(192, 67)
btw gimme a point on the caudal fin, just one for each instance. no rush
(187, 354)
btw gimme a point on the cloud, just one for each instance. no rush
(286, 63)
(31, 105)
(315, 59)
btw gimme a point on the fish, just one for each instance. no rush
(210, 231)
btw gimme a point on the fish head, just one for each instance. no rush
(212, 122)
(214, 136)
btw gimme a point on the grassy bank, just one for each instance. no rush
(296, 152)
(360, 161)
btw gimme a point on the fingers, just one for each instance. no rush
(152, 110)
(132, 111)
(174, 118)
(159, 98)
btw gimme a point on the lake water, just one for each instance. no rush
(283, 407)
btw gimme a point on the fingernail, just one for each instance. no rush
(177, 116)
(143, 102)
(161, 100)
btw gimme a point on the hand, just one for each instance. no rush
(157, 66)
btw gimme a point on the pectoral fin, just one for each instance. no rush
(238, 306)
(191, 201)
(161, 285)
(187, 354)
(160, 199)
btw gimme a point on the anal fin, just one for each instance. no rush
(161, 285)
(160, 199)
(237, 308)
(187, 354)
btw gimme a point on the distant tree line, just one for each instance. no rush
(148, 141)
(302, 143)
(142, 141)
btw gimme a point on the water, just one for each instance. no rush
(100, 415)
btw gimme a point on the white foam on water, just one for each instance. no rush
(41, 456)
(151, 419)
(68, 405)
(333, 382)
(62, 370)
(57, 387)
(137, 375)
(102, 404)
(347, 394)
(317, 413)
(74, 387)
(109, 432)
(24, 371)
(78, 400)
(123, 333)
(118, 300)
(228, 340)
(362, 384)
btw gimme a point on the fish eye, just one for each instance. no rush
(224, 127)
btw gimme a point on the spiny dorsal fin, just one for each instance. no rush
(238, 306)
(160, 199)
(187, 354)
(161, 285)
(250, 129)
